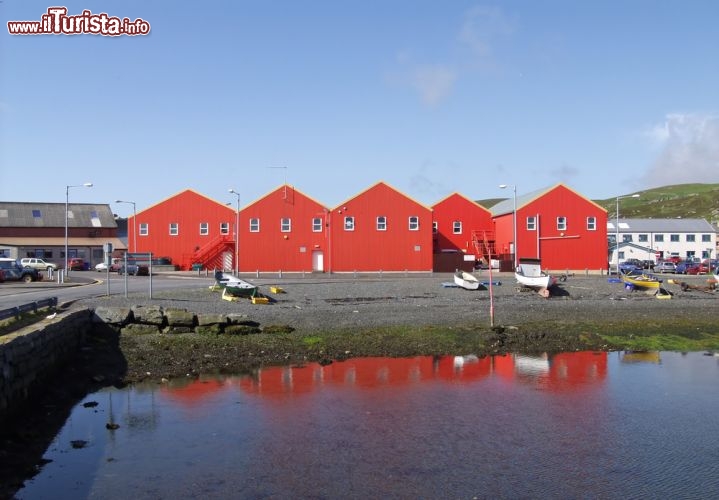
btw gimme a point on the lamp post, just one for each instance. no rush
(616, 228)
(67, 209)
(237, 233)
(134, 224)
(514, 220)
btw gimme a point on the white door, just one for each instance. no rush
(318, 260)
(227, 264)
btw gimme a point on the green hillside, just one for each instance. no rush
(688, 201)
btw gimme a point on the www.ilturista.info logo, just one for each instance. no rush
(57, 22)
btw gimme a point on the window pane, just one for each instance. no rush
(413, 223)
(381, 223)
(316, 225)
(349, 223)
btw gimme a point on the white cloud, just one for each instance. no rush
(481, 26)
(433, 83)
(689, 150)
(478, 32)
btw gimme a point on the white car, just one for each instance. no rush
(103, 267)
(38, 264)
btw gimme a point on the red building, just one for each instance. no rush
(284, 230)
(460, 228)
(381, 229)
(188, 228)
(557, 225)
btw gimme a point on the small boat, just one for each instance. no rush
(529, 273)
(240, 288)
(466, 280)
(642, 281)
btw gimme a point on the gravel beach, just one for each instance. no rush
(346, 302)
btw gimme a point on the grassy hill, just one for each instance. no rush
(688, 201)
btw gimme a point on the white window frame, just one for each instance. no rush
(591, 223)
(316, 224)
(285, 225)
(561, 223)
(204, 228)
(144, 229)
(435, 227)
(174, 228)
(224, 228)
(255, 225)
(532, 223)
(381, 223)
(457, 227)
(349, 223)
(413, 222)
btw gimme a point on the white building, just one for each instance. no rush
(686, 238)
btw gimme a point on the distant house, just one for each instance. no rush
(188, 228)
(629, 250)
(37, 229)
(686, 238)
(381, 229)
(285, 230)
(557, 225)
(460, 229)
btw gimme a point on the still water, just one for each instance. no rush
(579, 425)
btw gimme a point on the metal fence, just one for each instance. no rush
(16, 312)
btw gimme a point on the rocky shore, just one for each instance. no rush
(320, 318)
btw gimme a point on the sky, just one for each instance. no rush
(431, 97)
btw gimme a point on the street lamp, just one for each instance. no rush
(134, 224)
(616, 228)
(67, 208)
(514, 220)
(237, 233)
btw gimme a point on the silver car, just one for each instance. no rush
(665, 267)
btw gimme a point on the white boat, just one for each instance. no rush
(466, 280)
(529, 273)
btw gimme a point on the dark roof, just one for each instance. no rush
(40, 214)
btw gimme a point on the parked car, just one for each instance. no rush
(698, 269)
(665, 267)
(134, 269)
(712, 263)
(13, 271)
(39, 264)
(648, 264)
(627, 267)
(684, 265)
(76, 264)
(103, 267)
(674, 258)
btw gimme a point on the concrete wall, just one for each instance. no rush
(33, 353)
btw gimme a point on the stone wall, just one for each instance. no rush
(35, 352)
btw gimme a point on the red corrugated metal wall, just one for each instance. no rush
(368, 249)
(188, 209)
(473, 217)
(574, 248)
(271, 249)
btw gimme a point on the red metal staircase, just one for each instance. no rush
(484, 245)
(210, 254)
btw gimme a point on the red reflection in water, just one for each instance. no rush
(559, 373)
